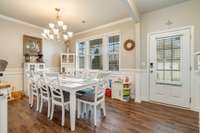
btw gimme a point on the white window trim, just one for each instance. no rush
(105, 57)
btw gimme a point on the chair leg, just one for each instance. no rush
(67, 107)
(78, 109)
(104, 108)
(63, 116)
(32, 101)
(30, 98)
(84, 108)
(49, 108)
(52, 111)
(38, 103)
(95, 115)
(41, 105)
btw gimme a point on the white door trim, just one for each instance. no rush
(191, 28)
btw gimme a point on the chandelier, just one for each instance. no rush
(57, 31)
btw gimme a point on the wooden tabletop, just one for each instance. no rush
(4, 85)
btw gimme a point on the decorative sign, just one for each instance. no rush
(129, 45)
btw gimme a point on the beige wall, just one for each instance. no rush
(127, 30)
(11, 44)
(181, 15)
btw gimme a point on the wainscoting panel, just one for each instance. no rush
(15, 77)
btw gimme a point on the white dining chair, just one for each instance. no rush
(45, 94)
(34, 90)
(95, 98)
(59, 98)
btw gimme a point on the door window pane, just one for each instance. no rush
(160, 75)
(176, 76)
(160, 66)
(167, 75)
(168, 59)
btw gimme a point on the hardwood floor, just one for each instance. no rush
(121, 118)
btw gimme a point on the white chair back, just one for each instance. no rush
(44, 87)
(99, 90)
(56, 92)
(34, 79)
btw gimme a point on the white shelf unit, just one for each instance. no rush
(119, 91)
(68, 63)
(31, 67)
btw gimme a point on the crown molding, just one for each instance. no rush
(19, 21)
(78, 33)
(105, 26)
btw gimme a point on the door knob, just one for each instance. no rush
(151, 67)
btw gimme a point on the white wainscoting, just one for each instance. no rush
(130, 73)
(139, 77)
(15, 76)
(141, 85)
(195, 93)
(142, 82)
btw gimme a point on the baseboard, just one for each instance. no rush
(196, 108)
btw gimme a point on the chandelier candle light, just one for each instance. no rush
(57, 31)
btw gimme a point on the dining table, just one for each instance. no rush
(73, 85)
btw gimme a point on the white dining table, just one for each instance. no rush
(72, 85)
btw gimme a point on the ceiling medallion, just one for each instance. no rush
(58, 31)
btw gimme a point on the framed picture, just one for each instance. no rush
(32, 46)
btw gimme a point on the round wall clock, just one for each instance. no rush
(129, 45)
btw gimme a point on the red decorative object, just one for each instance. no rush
(108, 92)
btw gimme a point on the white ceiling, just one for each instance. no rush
(145, 6)
(94, 12)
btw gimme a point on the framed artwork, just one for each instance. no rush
(32, 46)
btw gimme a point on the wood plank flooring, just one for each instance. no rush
(121, 118)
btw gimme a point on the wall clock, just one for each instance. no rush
(129, 45)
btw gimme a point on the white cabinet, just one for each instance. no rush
(67, 63)
(31, 67)
(3, 111)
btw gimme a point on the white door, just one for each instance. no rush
(169, 56)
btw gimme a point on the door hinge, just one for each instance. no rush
(190, 100)
(190, 68)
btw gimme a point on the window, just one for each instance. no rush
(113, 52)
(99, 53)
(168, 59)
(96, 53)
(81, 55)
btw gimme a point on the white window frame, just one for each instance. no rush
(77, 57)
(105, 56)
(107, 42)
